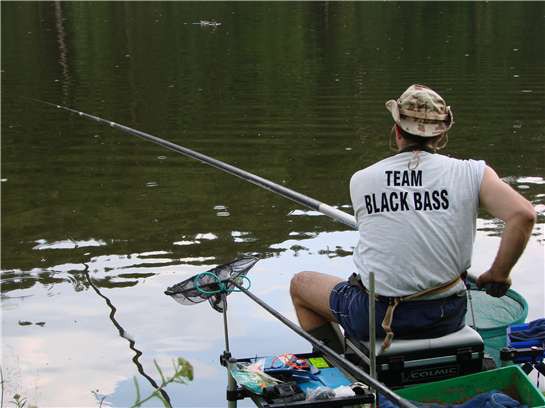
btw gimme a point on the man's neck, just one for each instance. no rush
(412, 147)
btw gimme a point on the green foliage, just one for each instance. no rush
(100, 398)
(183, 372)
(18, 401)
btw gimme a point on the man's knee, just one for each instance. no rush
(297, 284)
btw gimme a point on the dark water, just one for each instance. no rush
(291, 91)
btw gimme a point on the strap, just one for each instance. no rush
(392, 304)
(387, 323)
(430, 291)
(355, 280)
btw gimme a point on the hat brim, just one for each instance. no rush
(419, 127)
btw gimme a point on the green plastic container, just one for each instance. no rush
(509, 380)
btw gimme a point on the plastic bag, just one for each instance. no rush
(320, 393)
(251, 376)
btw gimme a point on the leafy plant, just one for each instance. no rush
(100, 398)
(183, 372)
(18, 401)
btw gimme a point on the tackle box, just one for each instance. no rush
(422, 360)
(326, 374)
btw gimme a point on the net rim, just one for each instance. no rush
(520, 318)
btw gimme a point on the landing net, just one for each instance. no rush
(493, 316)
(210, 285)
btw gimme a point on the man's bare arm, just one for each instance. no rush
(502, 202)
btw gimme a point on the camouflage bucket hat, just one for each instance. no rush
(421, 111)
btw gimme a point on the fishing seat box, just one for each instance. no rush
(408, 362)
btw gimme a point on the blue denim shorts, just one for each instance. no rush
(412, 320)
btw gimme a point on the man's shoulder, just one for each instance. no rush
(472, 165)
(456, 159)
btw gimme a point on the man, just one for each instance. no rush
(416, 213)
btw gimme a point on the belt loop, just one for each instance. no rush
(355, 280)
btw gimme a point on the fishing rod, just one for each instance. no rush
(288, 193)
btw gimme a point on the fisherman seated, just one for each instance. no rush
(416, 217)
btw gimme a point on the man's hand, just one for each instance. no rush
(493, 286)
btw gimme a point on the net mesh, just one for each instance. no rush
(211, 284)
(493, 316)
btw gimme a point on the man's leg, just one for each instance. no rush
(310, 292)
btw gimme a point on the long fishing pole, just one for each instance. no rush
(299, 198)
(338, 359)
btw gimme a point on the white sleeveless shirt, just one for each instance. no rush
(416, 227)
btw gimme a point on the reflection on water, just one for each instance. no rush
(122, 333)
(43, 244)
(293, 92)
